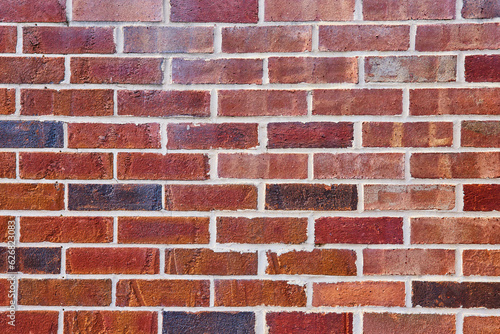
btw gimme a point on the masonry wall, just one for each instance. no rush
(250, 166)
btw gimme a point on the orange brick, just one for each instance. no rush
(359, 294)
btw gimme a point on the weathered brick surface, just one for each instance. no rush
(481, 262)
(307, 10)
(214, 322)
(31, 196)
(141, 322)
(386, 323)
(480, 134)
(234, 11)
(480, 324)
(359, 294)
(31, 70)
(118, 10)
(7, 165)
(33, 260)
(481, 197)
(7, 101)
(8, 39)
(480, 9)
(482, 68)
(313, 323)
(414, 134)
(33, 11)
(389, 10)
(30, 322)
(309, 135)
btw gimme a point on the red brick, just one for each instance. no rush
(7, 101)
(263, 166)
(31, 196)
(67, 102)
(481, 262)
(359, 166)
(30, 322)
(266, 39)
(481, 324)
(409, 197)
(33, 11)
(31, 70)
(481, 197)
(159, 103)
(261, 230)
(8, 39)
(240, 293)
(482, 68)
(408, 262)
(154, 166)
(480, 134)
(347, 230)
(210, 197)
(204, 261)
(330, 262)
(103, 135)
(75, 166)
(412, 134)
(112, 322)
(68, 40)
(307, 10)
(465, 165)
(339, 102)
(245, 103)
(5, 289)
(313, 70)
(309, 135)
(458, 37)
(455, 230)
(310, 323)
(364, 38)
(169, 39)
(212, 136)
(65, 292)
(237, 11)
(113, 261)
(480, 9)
(66, 229)
(181, 293)
(455, 101)
(393, 10)
(217, 71)
(118, 10)
(7, 165)
(359, 294)
(4, 228)
(163, 230)
(411, 69)
(389, 323)
(107, 70)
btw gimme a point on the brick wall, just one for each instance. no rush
(251, 166)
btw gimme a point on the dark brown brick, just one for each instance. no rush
(318, 197)
(234, 11)
(32, 260)
(311, 323)
(481, 197)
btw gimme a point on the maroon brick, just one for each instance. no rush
(480, 9)
(263, 166)
(339, 102)
(211, 136)
(108, 70)
(102, 135)
(33, 11)
(169, 39)
(480, 134)
(163, 230)
(76, 166)
(481, 197)
(153, 166)
(30, 322)
(411, 69)
(8, 39)
(8, 165)
(482, 68)
(237, 11)
(306, 10)
(343, 197)
(160, 103)
(217, 71)
(207, 262)
(311, 323)
(67, 102)
(118, 10)
(68, 40)
(246, 103)
(347, 230)
(458, 37)
(410, 134)
(210, 197)
(309, 135)
(364, 38)
(261, 230)
(389, 323)
(266, 39)
(7, 101)
(359, 166)
(314, 70)
(393, 10)
(140, 322)
(31, 70)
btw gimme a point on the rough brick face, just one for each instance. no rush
(480, 134)
(359, 293)
(307, 10)
(481, 197)
(482, 68)
(7, 165)
(234, 11)
(30, 322)
(480, 9)
(31, 196)
(118, 10)
(34, 260)
(388, 10)
(480, 324)
(387, 323)
(215, 322)
(7, 101)
(31, 70)
(141, 322)
(8, 39)
(414, 134)
(313, 323)
(481, 262)
(33, 11)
